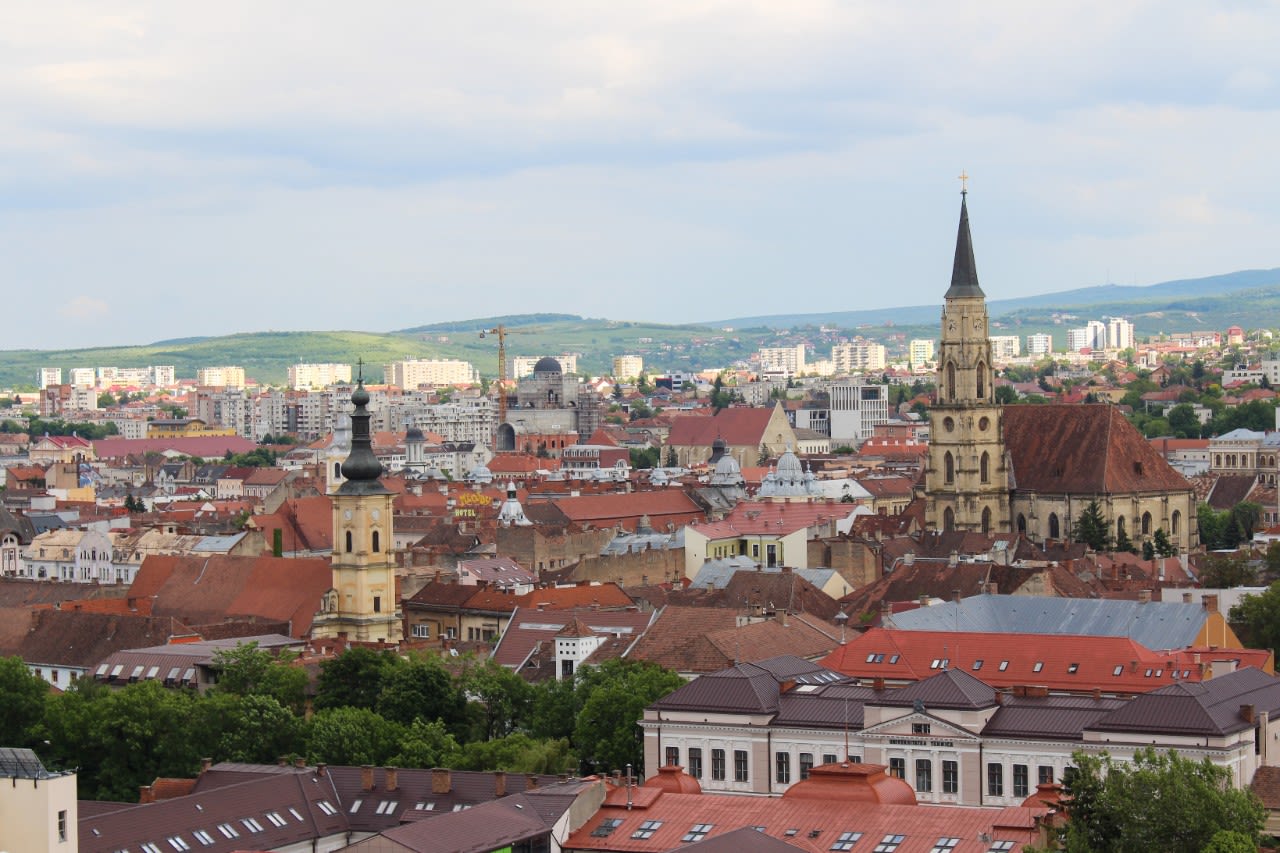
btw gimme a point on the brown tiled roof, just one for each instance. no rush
(1083, 449)
(1208, 708)
(210, 589)
(1229, 490)
(80, 639)
(528, 627)
(1266, 786)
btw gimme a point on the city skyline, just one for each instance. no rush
(172, 173)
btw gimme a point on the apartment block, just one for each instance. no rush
(856, 410)
(857, 357)
(1039, 344)
(303, 377)
(433, 373)
(522, 365)
(49, 376)
(628, 367)
(782, 361)
(1120, 333)
(1005, 347)
(220, 377)
(920, 352)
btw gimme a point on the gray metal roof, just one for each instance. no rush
(1205, 708)
(1049, 717)
(22, 764)
(1160, 626)
(950, 688)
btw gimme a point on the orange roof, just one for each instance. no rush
(737, 426)
(777, 519)
(1058, 662)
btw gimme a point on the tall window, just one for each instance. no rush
(898, 767)
(740, 765)
(806, 764)
(1020, 775)
(1173, 522)
(377, 542)
(1022, 523)
(62, 824)
(924, 774)
(950, 777)
(982, 381)
(986, 519)
(1120, 527)
(995, 779)
(717, 764)
(695, 762)
(673, 756)
(1055, 531)
(948, 519)
(377, 604)
(783, 769)
(1045, 774)
(951, 381)
(1146, 524)
(348, 541)
(948, 468)
(984, 467)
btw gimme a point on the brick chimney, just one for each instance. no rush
(1210, 602)
(1247, 713)
(392, 778)
(1186, 598)
(146, 794)
(530, 781)
(1144, 596)
(366, 777)
(955, 596)
(499, 783)
(440, 783)
(320, 768)
(205, 764)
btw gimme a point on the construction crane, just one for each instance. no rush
(501, 331)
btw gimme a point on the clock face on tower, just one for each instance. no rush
(376, 515)
(347, 515)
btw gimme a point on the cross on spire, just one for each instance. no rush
(360, 370)
(964, 182)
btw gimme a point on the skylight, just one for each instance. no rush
(1004, 664)
(1118, 670)
(977, 665)
(1038, 666)
(888, 844)
(697, 832)
(606, 827)
(326, 807)
(846, 840)
(1072, 668)
(647, 829)
(945, 844)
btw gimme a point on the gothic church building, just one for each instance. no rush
(1032, 469)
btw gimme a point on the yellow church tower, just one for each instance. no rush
(966, 478)
(363, 605)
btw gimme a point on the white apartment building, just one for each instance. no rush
(82, 377)
(304, 377)
(469, 419)
(163, 375)
(232, 408)
(220, 377)
(1005, 347)
(856, 409)
(1120, 333)
(1039, 344)
(156, 374)
(920, 352)
(1078, 339)
(522, 365)
(434, 373)
(782, 361)
(857, 357)
(49, 376)
(628, 367)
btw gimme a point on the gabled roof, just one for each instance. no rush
(529, 627)
(74, 638)
(774, 518)
(738, 426)
(1086, 449)
(586, 509)
(1154, 624)
(950, 688)
(1208, 708)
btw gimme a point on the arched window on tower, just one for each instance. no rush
(984, 467)
(948, 519)
(1055, 529)
(1022, 523)
(951, 381)
(1146, 524)
(982, 381)
(948, 468)
(1173, 522)
(986, 519)
(348, 541)
(377, 542)
(1120, 531)
(337, 470)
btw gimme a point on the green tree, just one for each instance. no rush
(22, 704)
(1091, 528)
(427, 744)
(606, 733)
(1160, 801)
(1221, 571)
(1258, 618)
(1183, 422)
(673, 460)
(503, 699)
(517, 753)
(646, 457)
(248, 670)
(353, 736)
(1123, 542)
(1245, 516)
(1161, 544)
(1005, 395)
(354, 679)
(421, 687)
(555, 706)
(251, 728)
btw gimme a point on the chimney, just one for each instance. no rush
(1186, 598)
(993, 588)
(909, 558)
(320, 768)
(392, 778)
(1144, 596)
(955, 596)
(924, 600)
(954, 559)
(877, 684)
(146, 794)
(499, 783)
(1210, 602)
(440, 781)
(366, 777)
(530, 781)
(999, 698)
(299, 762)
(1247, 713)
(205, 764)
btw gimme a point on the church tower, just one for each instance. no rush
(966, 481)
(363, 605)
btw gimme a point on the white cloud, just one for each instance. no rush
(84, 308)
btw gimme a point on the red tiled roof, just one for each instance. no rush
(737, 426)
(1110, 664)
(205, 446)
(774, 518)
(529, 627)
(608, 507)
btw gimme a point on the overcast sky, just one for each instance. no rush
(176, 169)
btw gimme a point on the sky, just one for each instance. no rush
(178, 169)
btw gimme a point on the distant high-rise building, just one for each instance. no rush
(857, 357)
(1005, 347)
(1097, 334)
(220, 377)
(1039, 344)
(83, 377)
(784, 361)
(1078, 339)
(50, 376)
(920, 352)
(1119, 333)
(856, 410)
(306, 376)
(433, 373)
(163, 374)
(627, 367)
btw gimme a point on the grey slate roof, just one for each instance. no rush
(749, 688)
(1050, 717)
(1204, 708)
(1160, 626)
(950, 688)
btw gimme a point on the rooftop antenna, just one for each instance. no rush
(845, 763)
(628, 787)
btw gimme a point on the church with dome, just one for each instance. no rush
(1033, 469)
(549, 411)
